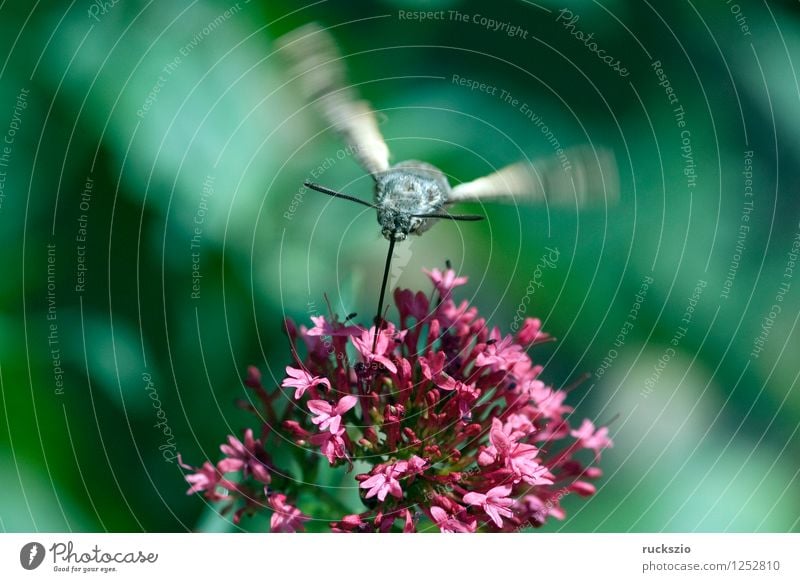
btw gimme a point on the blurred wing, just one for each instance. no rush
(584, 175)
(315, 61)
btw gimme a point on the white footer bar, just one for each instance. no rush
(410, 558)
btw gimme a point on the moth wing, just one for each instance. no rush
(589, 176)
(315, 61)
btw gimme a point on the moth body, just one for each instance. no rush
(404, 192)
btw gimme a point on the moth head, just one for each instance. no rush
(397, 225)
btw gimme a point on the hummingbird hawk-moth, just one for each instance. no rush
(411, 196)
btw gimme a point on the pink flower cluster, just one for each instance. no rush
(451, 416)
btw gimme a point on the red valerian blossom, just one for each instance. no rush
(448, 524)
(445, 282)
(447, 419)
(244, 457)
(591, 438)
(495, 502)
(329, 416)
(302, 380)
(285, 518)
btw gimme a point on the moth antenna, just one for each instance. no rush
(378, 318)
(462, 217)
(336, 194)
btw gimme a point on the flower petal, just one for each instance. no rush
(345, 404)
(319, 407)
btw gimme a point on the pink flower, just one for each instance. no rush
(413, 465)
(204, 479)
(589, 439)
(245, 457)
(450, 419)
(467, 395)
(321, 327)
(539, 510)
(329, 416)
(301, 381)
(383, 483)
(551, 403)
(433, 370)
(500, 354)
(208, 480)
(285, 518)
(331, 444)
(416, 464)
(364, 347)
(495, 503)
(518, 426)
(531, 332)
(520, 458)
(529, 383)
(317, 348)
(349, 524)
(458, 318)
(448, 523)
(409, 526)
(324, 327)
(445, 282)
(411, 304)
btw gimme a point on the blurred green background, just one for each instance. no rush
(194, 143)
